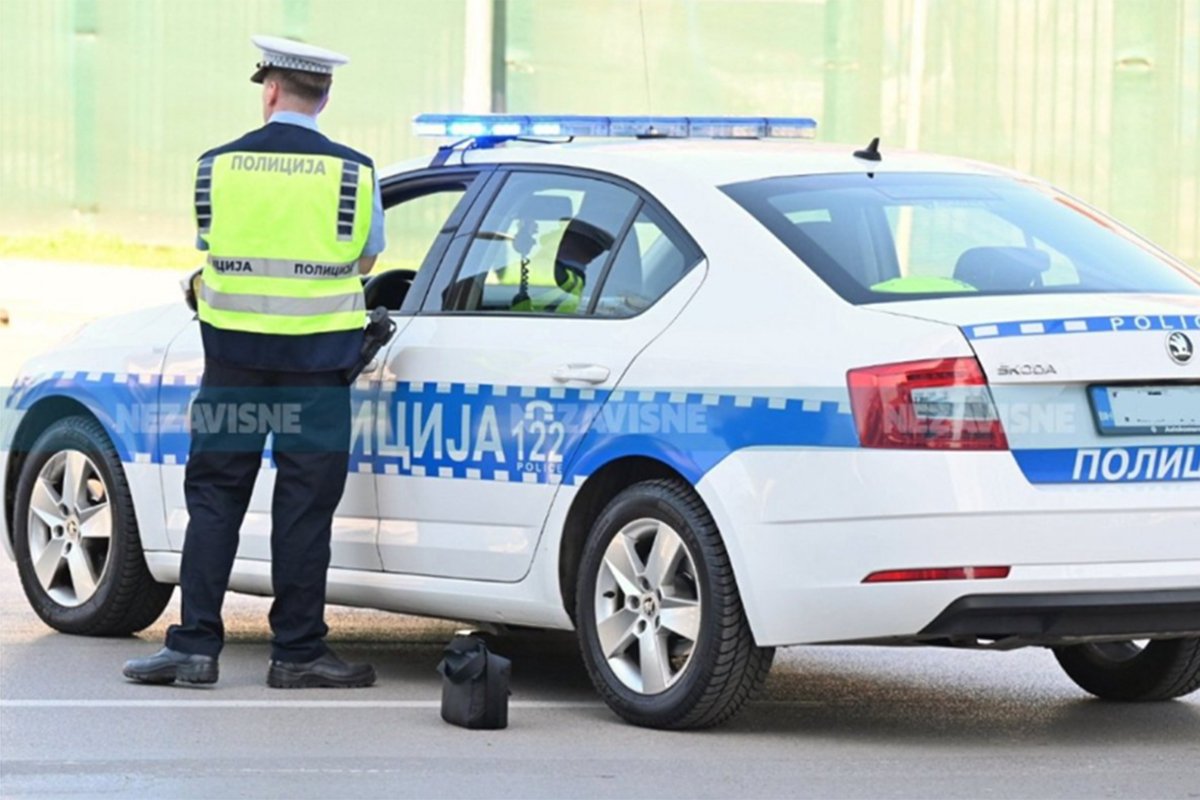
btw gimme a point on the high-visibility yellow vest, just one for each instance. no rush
(549, 289)
(284, 234)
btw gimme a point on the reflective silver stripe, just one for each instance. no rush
(347, 201)
(204, 195)
(283, 306)
(282, 268)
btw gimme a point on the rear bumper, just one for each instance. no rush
(804, 528)
(1053, 618)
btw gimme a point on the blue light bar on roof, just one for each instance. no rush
(670, 127)
(791, 128)
(727, 127)
(567, 125)
(506, 126)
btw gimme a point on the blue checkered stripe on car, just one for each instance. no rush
(540, 435)
(60, 379)
(527, 434)
(1114, 324)
(515, 434)
(125, 403)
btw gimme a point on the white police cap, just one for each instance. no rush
(278, 53)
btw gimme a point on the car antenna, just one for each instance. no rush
(871, 152)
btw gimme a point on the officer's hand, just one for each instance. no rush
(191, 289)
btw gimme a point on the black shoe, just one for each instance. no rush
(168, 666)
(328, 671)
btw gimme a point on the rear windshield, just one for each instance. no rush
(914, 236)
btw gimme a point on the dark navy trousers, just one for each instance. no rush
(308, 417)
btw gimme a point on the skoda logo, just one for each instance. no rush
(1180, 348)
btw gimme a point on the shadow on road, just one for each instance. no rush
(817, 699)
(934, 709)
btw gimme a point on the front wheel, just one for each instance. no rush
(76, 537)
(1160, 670)
(663, 633)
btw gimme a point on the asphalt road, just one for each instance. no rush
(834, 722)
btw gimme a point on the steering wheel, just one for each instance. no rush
(388, 289)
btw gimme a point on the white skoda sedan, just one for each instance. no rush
(697, 394)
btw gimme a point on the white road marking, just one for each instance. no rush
(356, 704)
(353, 704)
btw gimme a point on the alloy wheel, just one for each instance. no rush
(647, 606)
(70, 527)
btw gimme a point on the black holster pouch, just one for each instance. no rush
(474, 685)
(378, 332)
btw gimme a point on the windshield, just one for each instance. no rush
(912, 236)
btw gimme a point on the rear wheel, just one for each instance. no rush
(76, 538)
(1159, 670)
(663, 633)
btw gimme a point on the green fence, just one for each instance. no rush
(107, 102)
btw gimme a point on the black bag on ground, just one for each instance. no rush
(474, 685)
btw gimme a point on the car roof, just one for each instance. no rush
(713, 161)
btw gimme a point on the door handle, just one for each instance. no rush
(583, 373)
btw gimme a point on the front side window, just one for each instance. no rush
(412, 225)
(542, 246)
(905, 236)
(418, 221)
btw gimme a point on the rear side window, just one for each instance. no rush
(648, 263)
(909, 236)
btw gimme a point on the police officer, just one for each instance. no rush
(290, 220)
(561, 290)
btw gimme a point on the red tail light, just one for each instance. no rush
(939, 404)
(937, 574)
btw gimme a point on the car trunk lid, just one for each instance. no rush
(1089, 388)
(1070, 338)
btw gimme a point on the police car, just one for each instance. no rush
(697, 390)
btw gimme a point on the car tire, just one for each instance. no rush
(1162, 670)
(665, 640)
(80, 558)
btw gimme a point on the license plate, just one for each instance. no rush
(1146, 410)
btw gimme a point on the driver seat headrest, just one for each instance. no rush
(1000, 269)
(581, 243)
